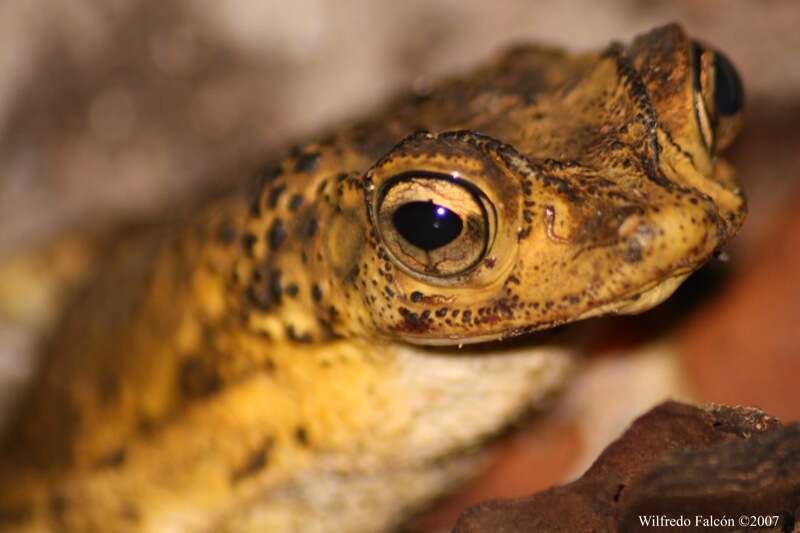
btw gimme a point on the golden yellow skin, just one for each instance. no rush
(262, 364)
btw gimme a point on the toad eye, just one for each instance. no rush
(728, 92)
(719, 96)
(434, 224)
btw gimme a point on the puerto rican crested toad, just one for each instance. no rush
(278, 360)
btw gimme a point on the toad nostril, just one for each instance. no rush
(637, 235)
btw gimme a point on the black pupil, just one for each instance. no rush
(728, 92)
(427, 225)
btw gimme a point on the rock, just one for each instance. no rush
(675, 461)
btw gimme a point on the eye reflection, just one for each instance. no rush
(427, 225)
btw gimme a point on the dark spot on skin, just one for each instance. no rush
(147, 426)
(316, 293)
(505, 308)
(266, 177)
(275, 194)
(113, 459)
(197, 377)
(254, 464)
(352, 276)
(276, 285)
(307, 162)
(306, 223)
(295, 202)
(249, 243)
(442, 311)
(310, 227)
(226, 232)
(321, 187)
(260, 297)
(301, 435)
(412, 321)
(276, 235)
(466, 316)
(292, 289)
(416, 296)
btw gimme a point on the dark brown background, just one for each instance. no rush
(118, 108)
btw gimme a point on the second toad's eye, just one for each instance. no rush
(433, 224)
(728, 92)
(718, 94)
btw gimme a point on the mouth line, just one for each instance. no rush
(638, 300)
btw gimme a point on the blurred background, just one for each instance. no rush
(111, 109)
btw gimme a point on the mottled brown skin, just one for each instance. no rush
(261, 365)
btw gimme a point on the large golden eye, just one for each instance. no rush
(719, 96)
(434, 224)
